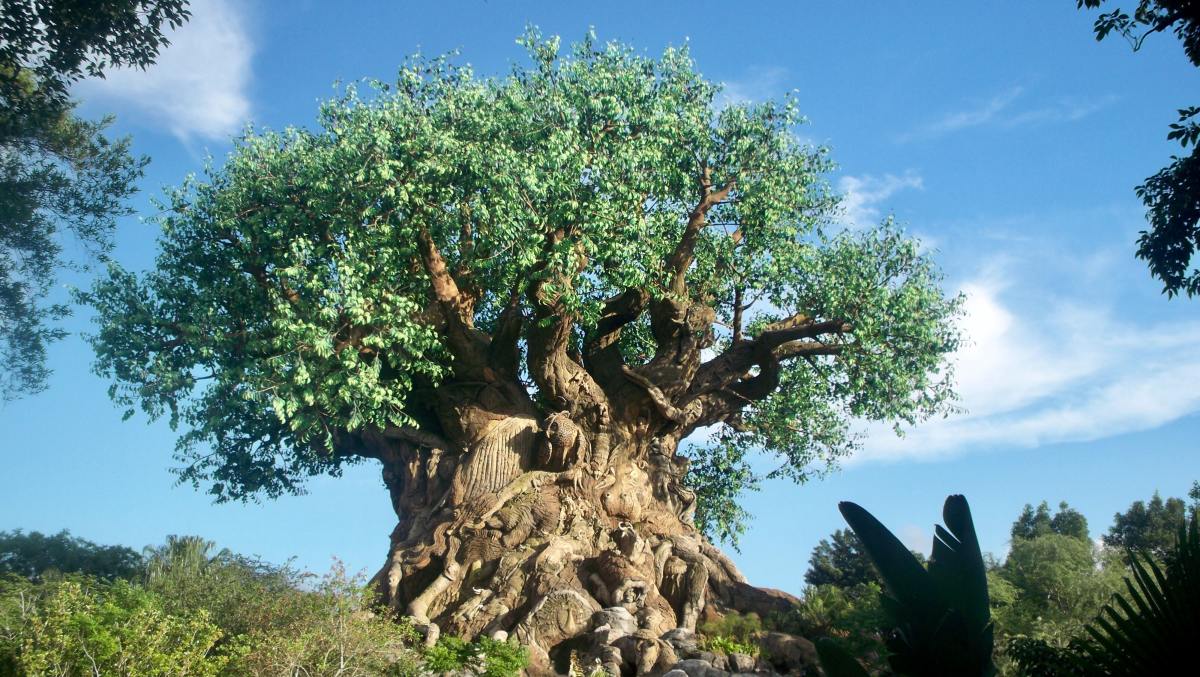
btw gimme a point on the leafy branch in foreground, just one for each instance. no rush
(1152, 628)
(1171, 196)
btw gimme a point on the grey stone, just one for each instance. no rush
(698, 668)
(615, 622)
(675, 673)
(788, 653)
(684, 640)
(740, 662)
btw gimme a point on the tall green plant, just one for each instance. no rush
(940, 614)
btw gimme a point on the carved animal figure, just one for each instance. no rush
(565, 444)
(501, 456)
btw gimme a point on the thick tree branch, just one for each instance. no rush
(417, 436)
(806, 349)
(602, 351)
(682, 328)
(456, 308)
(761, 385)
(560, 378)
(661, 402)
(788, 337)
(505, 351)
(738, 309)
(681, 259)
(455, 304)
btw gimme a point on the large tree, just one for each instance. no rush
(519, 296)
(58, 172)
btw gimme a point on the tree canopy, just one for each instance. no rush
(1066, 522)
(594, 219)
(33, 554)
(1059, 583)
(1171, 196)
(57, 172)
(1152, 527)
(840, 561)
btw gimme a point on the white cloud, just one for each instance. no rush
(1065, 110)
(1064, 370)
(197, 87)
(862, 195)
(760, 84)
(999, 111)
(973, 117)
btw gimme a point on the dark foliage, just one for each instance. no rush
(1148, 528)
(841, 561)
(1172, 196)
(1152, 629)
(59, 173)
(1066, 522)
(61, 41)
(941, 613)
(34, 554)
(1039, 658)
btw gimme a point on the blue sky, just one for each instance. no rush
(1001, 134)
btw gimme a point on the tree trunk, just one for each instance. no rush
(570, 537)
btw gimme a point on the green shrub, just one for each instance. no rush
(720, 644)
(193, 611)
(330, 631)
(1040, 658)
(241, 594)
(732, 633)
(852, 617)
(83, 626)
(485, 657)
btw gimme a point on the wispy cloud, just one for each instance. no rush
(862, 196)
(759, 84)
(198, 87)
(1003, 111)
(1064, 110)
(1063, 370)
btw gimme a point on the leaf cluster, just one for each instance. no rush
(1170, 244)
(292, 303)
(84, 626)
(58, 173)
(1065, 522)
(34, 555)
(486, 657)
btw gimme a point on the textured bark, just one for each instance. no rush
(522, 529)
(564, 521)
